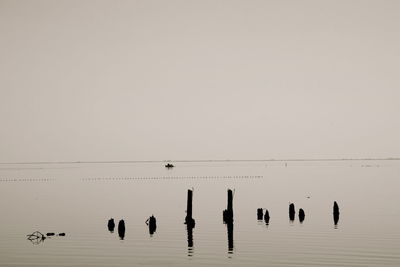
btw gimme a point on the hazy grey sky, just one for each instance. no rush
(149, 80)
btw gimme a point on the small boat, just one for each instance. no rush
(169, 165)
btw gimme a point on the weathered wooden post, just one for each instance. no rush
(302, 215)
(291, 212)
(259, 214)
(266, 217)
(335, 213)
(152, 223)
(228, 213)
(189, 221)
(121, 229)
(335, 208)
(111, 225)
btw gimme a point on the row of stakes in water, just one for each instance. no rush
(227, 216)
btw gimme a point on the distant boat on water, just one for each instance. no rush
(169, 165)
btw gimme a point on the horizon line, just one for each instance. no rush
(198, 160)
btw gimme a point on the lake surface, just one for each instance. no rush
(79, 198)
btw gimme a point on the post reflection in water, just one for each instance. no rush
(230, 237)
(190, 240)
(336, 219)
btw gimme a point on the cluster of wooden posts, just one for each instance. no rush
(227, 215)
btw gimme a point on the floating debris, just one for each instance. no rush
(169, 165)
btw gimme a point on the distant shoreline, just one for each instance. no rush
(199, 160)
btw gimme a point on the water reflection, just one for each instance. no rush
(336, 220)
(121, 229)
(230, 237)
(190, 239)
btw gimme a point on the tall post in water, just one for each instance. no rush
(230, 200)
(189, 221)
(228, 213)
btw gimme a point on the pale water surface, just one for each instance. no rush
(78, 199)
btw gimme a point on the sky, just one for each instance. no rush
(169, 80)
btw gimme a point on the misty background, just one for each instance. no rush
(157, 80)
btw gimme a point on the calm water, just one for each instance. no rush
(78, 199)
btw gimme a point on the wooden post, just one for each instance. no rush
(335, 208)
(189, 204)
(259, 214)
(121, 229)
(266, 217)
(189, 210)
(230, 200)
(302, 215)
(228, 213)
(335, 213)
(291, 212)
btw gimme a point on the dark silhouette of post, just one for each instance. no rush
(152, 223)
(229, 227)
(190, 239)
(335, 213)
(111, 225)
(259, 214)
(121, 229)
(302, 215)
(291, 212)
(266, 217)
(228, 213)
(189, 221)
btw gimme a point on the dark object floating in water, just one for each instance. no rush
(291, 212)
(302, 215)
(152, 223)
(169, 165)
(228, 213)
(266, 217)
(111, 225)
(61, 234)
(189, 221)
(259, 214)
(50, 234)
(121, 229)
(36, 237)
